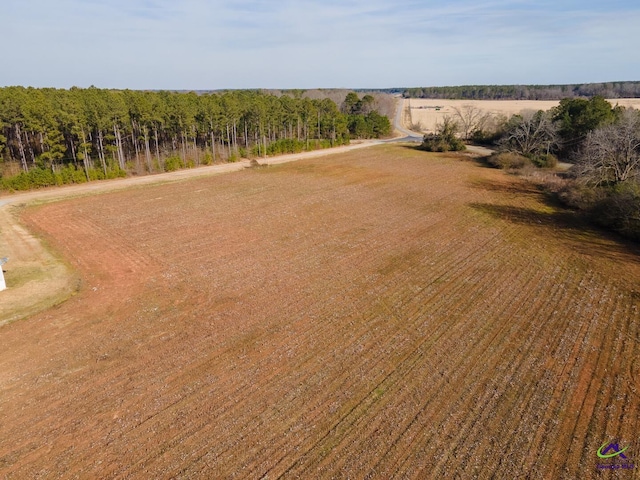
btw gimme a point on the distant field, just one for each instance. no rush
(383, 313)
(429, 112)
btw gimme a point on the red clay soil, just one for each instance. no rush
(378, 314)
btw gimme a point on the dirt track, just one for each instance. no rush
(379, 314)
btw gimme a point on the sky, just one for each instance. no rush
(212, 44)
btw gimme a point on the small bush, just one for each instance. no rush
(620, 209)
(437, 143)
(70, 174)
(96, 174)
(285, 145)
(173, 163)
(546, 160)
(43, 177)
(578, 196)
(615, 208)
(508, 161)
(483, 137)
(16, 182)
(116, 172)
(445, 139)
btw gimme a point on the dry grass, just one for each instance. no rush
(36, 278)
(425, 112)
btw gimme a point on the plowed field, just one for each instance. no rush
(377, 314)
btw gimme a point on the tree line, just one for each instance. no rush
(55, 136)
(526, 92)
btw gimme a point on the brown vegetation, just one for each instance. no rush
(508, 160)
(388, 313)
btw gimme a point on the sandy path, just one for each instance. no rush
(37, 279)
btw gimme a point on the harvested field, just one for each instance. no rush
(430, 112)
(385, 313)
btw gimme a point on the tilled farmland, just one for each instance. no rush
(385, 313)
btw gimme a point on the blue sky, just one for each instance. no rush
(200, 44)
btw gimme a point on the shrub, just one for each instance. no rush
(173, 163)
(615, 208)
(579, 196)
(96, 174)
(483, 137)
(70, 174)
(17, 182)
(116, 172)
(619, 209)
(508, 160)
(545, 160)
(436, 143)
(285, 145)
(445, 139)
(43, 177)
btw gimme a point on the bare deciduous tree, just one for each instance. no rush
(531, 133)
(470, 118)
(385, 104)
(611, 154)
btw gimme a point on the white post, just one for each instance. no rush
(3, 285)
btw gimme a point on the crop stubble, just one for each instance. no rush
(429, 113)
(386, 313)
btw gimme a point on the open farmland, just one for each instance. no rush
(381, 313)
(430, 112)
